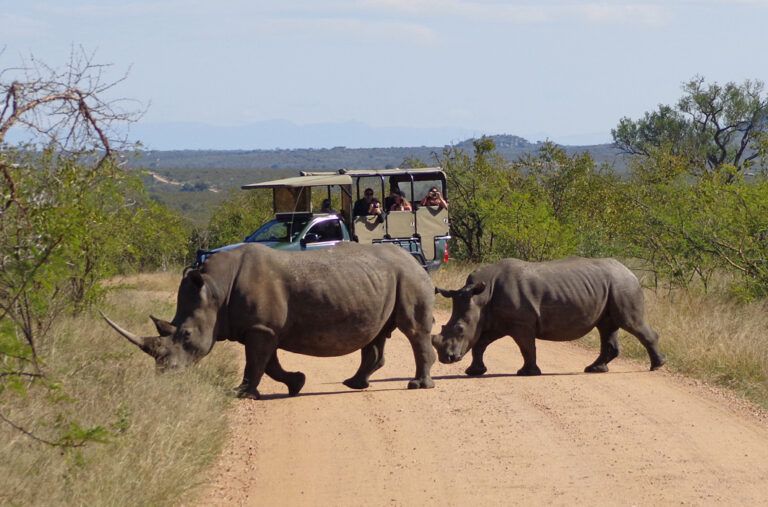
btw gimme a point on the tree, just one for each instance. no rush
(710, 126)
(64, 208)
(478, 188)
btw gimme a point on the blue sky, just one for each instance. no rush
(563, 70)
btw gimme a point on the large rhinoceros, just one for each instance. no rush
(325, 302)
(560, 300)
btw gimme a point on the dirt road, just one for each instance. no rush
(627, 437)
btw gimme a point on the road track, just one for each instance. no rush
(627, 437)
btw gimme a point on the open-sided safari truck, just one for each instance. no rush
(300, 225)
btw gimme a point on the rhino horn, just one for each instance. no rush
(135, 339)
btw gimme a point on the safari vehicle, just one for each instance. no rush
(424, 232)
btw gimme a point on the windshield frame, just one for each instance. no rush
(266, 233)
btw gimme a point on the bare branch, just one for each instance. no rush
(65, 109)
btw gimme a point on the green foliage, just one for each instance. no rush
(711, 126)
(478, 188)
(541, 207)
(690, 229)
(231, 220)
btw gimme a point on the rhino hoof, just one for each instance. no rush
(424, 383)
(661, 361)
(476, 371)
(354, 383)
(296, 383)
(249, 395)
(529, 372)
(596, 368)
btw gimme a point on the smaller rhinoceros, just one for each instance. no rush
(560, 300)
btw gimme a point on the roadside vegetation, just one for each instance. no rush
(83, 417)
(148, 435)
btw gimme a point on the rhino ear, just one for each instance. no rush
(477, 288)
(196, 278)
(163, 327)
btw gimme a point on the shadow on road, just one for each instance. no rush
(346, 390)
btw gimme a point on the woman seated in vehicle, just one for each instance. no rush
(434, 198)
(400, 202)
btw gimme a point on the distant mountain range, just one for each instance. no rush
(281, 134)
(332, 159)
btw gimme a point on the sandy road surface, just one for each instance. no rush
(628, 437)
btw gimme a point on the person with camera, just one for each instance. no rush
(434, 198)
(368, 205)
(400, 203)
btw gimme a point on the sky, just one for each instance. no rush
(566, 71)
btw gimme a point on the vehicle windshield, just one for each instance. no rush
(276, 230)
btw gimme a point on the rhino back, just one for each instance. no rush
(327, 302)
(562, 299)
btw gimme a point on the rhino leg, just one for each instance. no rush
(650, 340)
(609, 348)
(477, 367)
(526, 340)
(372, 358)
(260, 346)
(294, 379)
(424, 353)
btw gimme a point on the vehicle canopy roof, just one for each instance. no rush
(294, 194)
(396, 174)
(313, 180)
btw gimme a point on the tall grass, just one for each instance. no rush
(710, 337)
(163, 429)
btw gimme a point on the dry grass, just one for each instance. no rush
(708, 337)
(164, 429)
(452, 276)
(713, 339)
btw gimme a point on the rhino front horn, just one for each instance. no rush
(135, 339)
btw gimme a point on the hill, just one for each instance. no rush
(510, 147)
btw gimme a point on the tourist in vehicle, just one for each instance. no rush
(326, 207)
(434, 198)
(400, 202)
(390, 199)
(362, 205)
(376, 207)
(368, 205)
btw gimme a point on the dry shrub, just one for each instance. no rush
(164, 429)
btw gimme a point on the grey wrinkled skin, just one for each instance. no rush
(560, 300)
(325, 302)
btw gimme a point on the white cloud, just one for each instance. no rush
(529, 12)
(20, 26)
(355, 29)
(626, 13)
